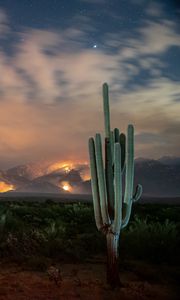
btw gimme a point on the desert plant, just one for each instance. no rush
(112, 212)
(2, 224)
(153, 241)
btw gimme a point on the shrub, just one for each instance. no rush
(152, 241)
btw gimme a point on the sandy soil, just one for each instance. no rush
(78, 281)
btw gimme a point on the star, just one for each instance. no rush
(95, 46)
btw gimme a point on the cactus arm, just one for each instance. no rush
(109, 177)
(101, 180)
(116, 139)
(129, 165)
(128, 207)
(112, 145)
(138, 193)
(127, 215)
(94, 185)
(116, 135)
(106, 110)
(118, 189)
(122, 139)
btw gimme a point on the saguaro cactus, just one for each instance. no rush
(112, 210)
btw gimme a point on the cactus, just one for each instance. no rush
(111, 210)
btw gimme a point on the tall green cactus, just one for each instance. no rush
(112, 211)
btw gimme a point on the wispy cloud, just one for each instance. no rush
(4, 28)
(50, 91)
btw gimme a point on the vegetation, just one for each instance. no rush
(39, 234)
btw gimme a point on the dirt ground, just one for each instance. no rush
(80, 281)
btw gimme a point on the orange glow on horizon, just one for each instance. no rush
(5, 187)
(86, 176)
(66, 165)
(66, 186)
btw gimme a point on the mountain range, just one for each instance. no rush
(158, 177)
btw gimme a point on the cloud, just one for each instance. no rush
(158, 37)
(154, 9)
(154, 37)
(149, 138)
(4, 27)
(47, 62)
(50, 93)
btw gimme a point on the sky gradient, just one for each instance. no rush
(54, 58)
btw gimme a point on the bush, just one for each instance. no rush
(152, 241)
(68, 231)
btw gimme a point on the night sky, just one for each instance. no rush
(55, 56)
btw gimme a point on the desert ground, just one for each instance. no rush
(84, 281)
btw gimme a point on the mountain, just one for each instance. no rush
(11, 180)
(158, 177)
(42, 176)
(53, 182)
(29, 171)
(170, 160)
(39, 187)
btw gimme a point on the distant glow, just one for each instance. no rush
(66, 186)
(67, 166)
(5, 187)
(95, 46)
(67, 169)
(85, 176)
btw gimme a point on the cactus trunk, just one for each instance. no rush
(112, 260)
